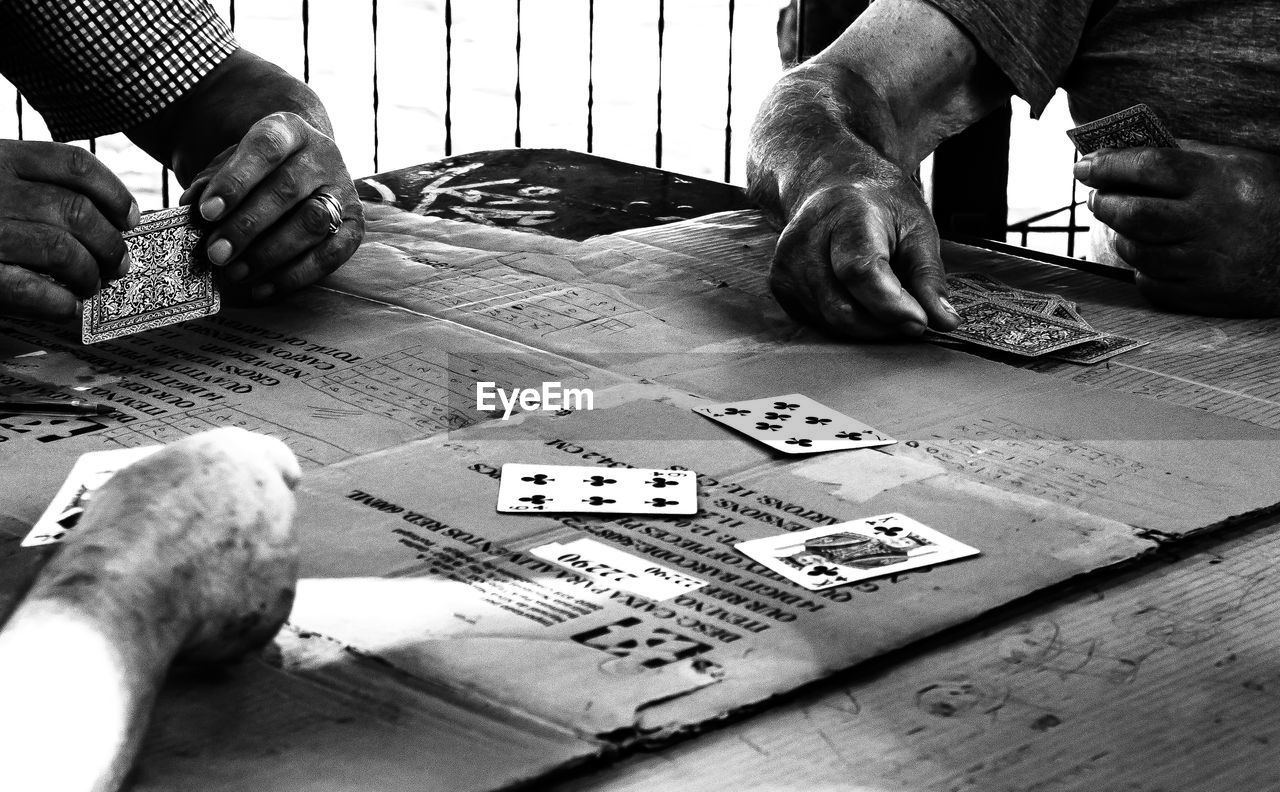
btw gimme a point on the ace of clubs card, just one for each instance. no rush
(577, 488)
(170, 280)
(89, 473)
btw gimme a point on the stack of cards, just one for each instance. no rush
(1129, 128)
(168, 282)
(795, 424)
(833, 555)
(1027, 323)
(573, 488)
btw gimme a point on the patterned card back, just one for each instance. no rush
(170, 280)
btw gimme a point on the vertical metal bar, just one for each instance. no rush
(1071, 213)
(728, 105)
(591, 74)
(17, 104)
(800, 56)
(448, 77)
(375, 86)
(93, 145)
(519, 42)
(231, 19)
(306, 41)
(164, 187)
(657, 138)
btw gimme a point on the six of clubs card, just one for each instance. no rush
(833, 555)
(572, 488)
(795, 424)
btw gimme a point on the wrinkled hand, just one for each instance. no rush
(1200, 224)
(270, 234)
(61, 215)
(848, 251)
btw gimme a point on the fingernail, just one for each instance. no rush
(1081, 169)
(911, 328)
(262, 291)
(135, 216)
(1089, 202)
(126, 264)
(220, 252)
(951, 309)
(237, 271)
(211, 208)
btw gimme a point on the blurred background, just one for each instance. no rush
(666, 83)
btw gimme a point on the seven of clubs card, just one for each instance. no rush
(168, 282)
(795, 424)
(832, 555)
(571, 488)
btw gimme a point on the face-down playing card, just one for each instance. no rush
(832, 555)
(795, 424)
(1131, 127)
(573, 488)
(169, 280)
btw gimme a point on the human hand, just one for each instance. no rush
(270, 233)
(61, 215)
(859, 258)
(1200, 224)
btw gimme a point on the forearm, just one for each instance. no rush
(820, 123)
(77, 692)
(219, 109)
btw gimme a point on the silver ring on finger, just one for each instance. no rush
(331, 205)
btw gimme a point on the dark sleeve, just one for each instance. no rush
(1033, 42)
(94, 67)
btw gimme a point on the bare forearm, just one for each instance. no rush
(820, 122)
(218, 111)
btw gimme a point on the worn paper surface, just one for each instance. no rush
(413, 582)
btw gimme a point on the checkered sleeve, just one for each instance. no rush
(94, 67)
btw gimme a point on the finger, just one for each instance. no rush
(920, 262)
(66, 209)
(306, 226)
(267, 144)
(1171, 263)
(193, 191)
(24, 293)
(311, 266)
(79, 171)
(1144, 218)
(51, 251)
(1171, 173)
(277, 195)
(807, 289)
(860, 252)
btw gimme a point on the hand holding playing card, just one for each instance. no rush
(1200, 224)
(61, 217)
(271, 231)
(859, 259)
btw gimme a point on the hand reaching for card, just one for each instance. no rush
(860, 260)
(272, 231)
(1200, 224)
(61, 215)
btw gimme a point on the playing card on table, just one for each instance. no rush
(1016, 330)
(90, 472)
(795, 424)
(1104, 348)
(1134, 126)
(169, 280)
(572, 488)
(832, 555)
